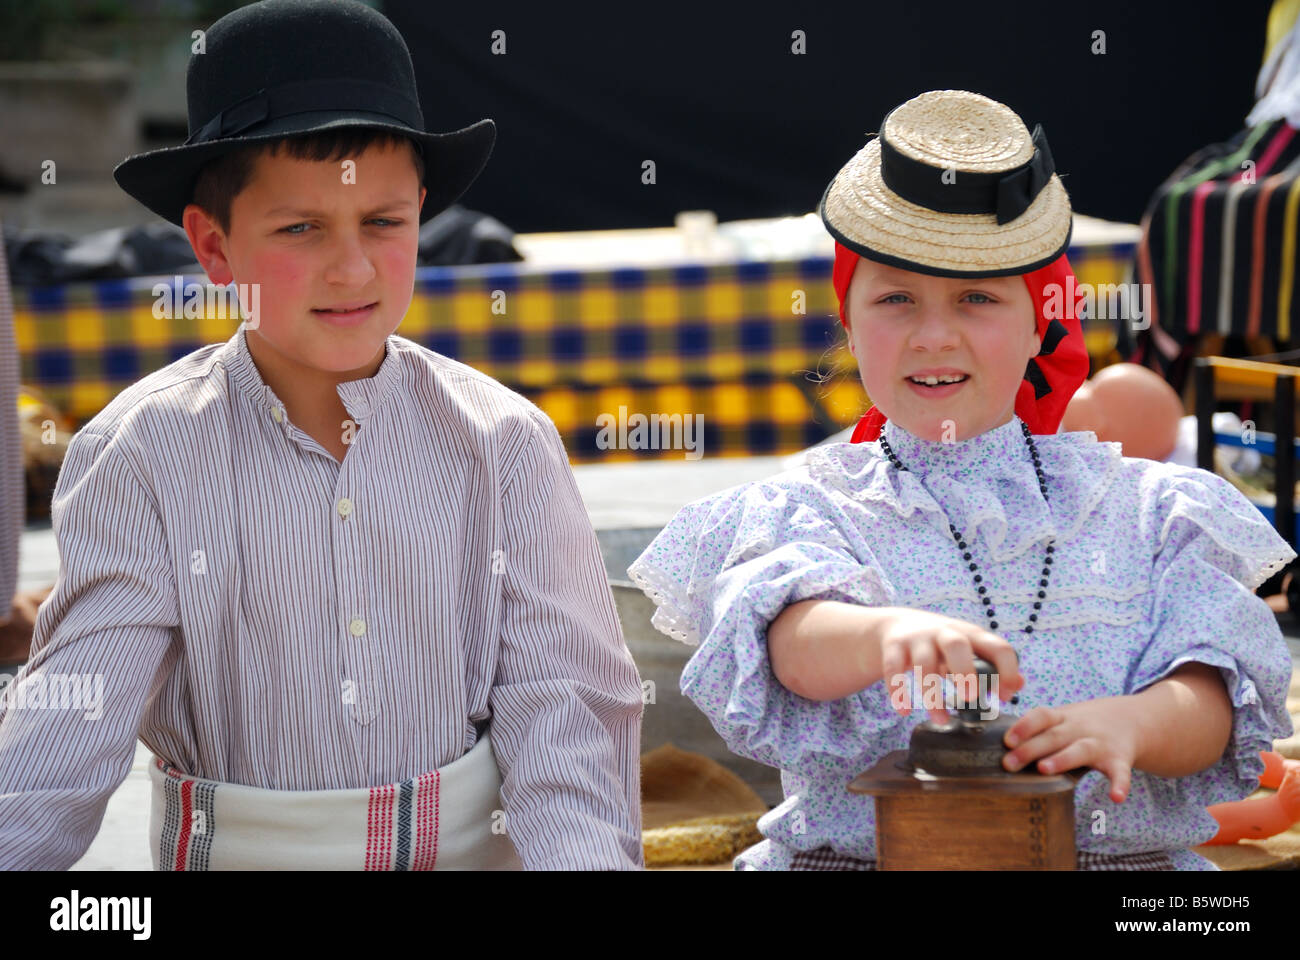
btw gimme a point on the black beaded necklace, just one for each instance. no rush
(961, 542)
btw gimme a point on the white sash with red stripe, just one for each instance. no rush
(449, 819)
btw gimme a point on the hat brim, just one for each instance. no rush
(163, 180)
(862, 213)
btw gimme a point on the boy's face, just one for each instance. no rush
(316, 235)
(904, 323)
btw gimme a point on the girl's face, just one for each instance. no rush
(904, 324)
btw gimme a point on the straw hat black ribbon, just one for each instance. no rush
(1007, 194)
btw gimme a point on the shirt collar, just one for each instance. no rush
(360, 397)
(986, 486)
(961, 459)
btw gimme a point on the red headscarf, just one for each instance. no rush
(1051, 377)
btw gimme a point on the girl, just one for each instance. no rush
(1114, 595)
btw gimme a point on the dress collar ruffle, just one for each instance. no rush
(985, 486)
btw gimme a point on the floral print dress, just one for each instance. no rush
(1155, 566)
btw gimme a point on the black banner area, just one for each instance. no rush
(735, 120)
(241, 910)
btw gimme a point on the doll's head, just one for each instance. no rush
(951, 229)
(903, 326)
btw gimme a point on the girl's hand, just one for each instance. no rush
(1101, 734)
(942, 645)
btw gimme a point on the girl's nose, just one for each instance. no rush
(933, 327)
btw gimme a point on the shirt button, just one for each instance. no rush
(277, 413)
(357, 627)
(344, 506)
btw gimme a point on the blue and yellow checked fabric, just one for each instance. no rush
(744, 345)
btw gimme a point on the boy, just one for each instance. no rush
(311, 565)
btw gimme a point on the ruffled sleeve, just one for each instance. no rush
(720, 572)
(1213, 548)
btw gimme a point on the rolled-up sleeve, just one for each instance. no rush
(566, 700)
(720, 573)
(1213, 549)
(104, 641)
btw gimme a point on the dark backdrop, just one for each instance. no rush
(738, 124)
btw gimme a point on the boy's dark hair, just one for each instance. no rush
(221, 180)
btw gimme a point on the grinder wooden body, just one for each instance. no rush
(995, 821)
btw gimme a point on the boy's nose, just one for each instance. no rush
(349, 264)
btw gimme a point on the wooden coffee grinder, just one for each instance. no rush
(947, 803)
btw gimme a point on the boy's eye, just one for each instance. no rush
(892, 296)
(298, 233)
(987, 298)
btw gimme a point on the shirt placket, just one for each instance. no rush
(352, 627)
(350, 512)
(355, 630)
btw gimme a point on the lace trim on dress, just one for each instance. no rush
(670, 614)
(1213, 505)
(1080, 469)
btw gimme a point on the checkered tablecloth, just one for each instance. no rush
(739, 345)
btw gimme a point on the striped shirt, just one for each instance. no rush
(263, 614)
(13, 500)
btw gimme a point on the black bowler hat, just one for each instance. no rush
(283, 67)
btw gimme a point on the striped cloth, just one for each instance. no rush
(440, 820)
(827, 858)
(12, 487)
(263, 614)
(1219, 239)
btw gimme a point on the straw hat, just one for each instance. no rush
(954, 185)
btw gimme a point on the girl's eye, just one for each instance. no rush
(890, 298)
(298, 233)
(987, 298)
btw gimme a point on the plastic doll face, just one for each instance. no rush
(904, 325)
(324, 234)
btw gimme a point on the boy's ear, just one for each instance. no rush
(208, 242)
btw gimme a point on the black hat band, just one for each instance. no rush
(1007, 193)
(310, 96)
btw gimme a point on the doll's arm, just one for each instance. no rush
(1262, 817)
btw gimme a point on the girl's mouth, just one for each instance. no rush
(939, 389)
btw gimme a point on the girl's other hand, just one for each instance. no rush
(942, 645)
(1101, 734)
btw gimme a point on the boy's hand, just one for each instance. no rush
(1101, 734)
